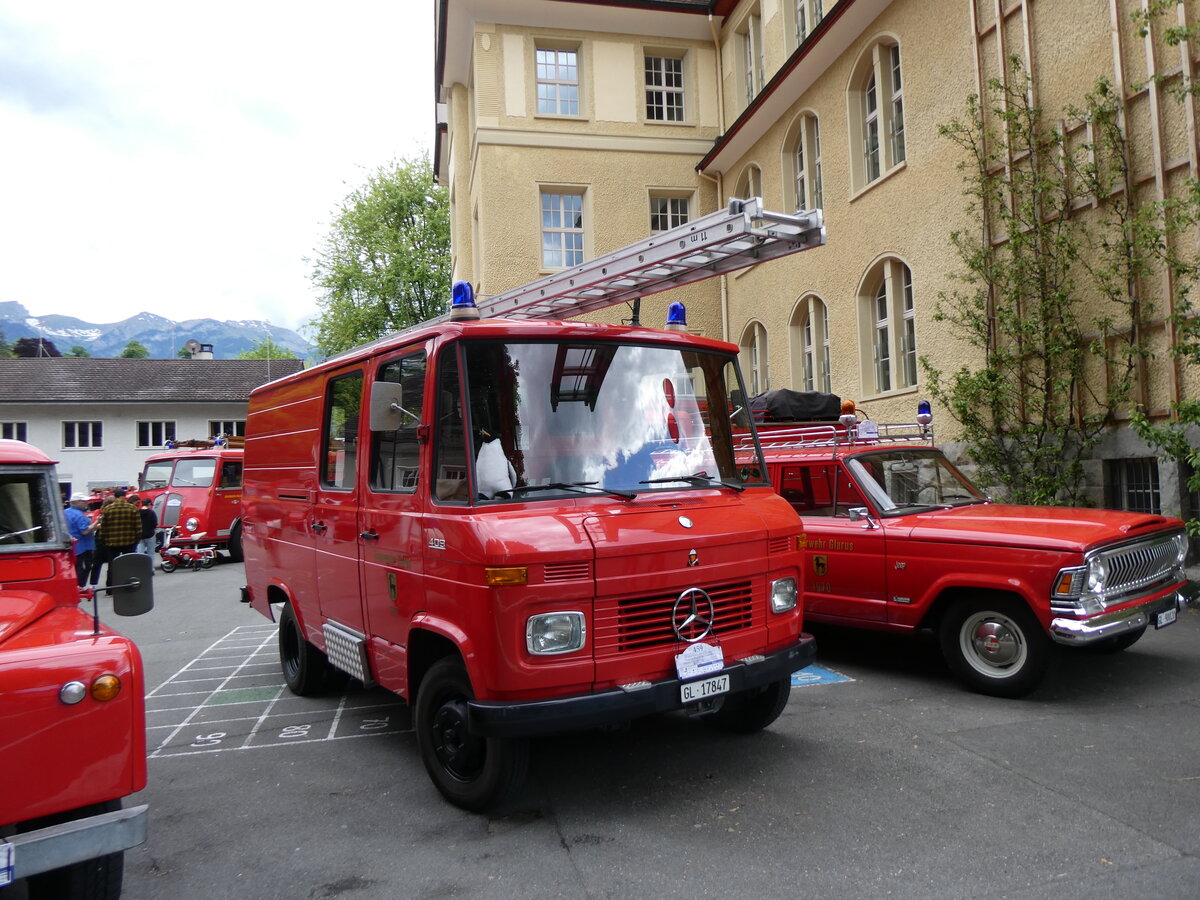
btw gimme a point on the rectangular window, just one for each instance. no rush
(801, 21)
(13, 431)
(668, 212)
(897, 124)
(227, 427)
(910, 332)
(557, 83)
(450, 466)
(154, 434)
(562, 230)
(342, 406)
(883, 356)
(396, 455)
(871, 126)
(664, 88)
(817, 189)
(1132, 484)
(79, 435)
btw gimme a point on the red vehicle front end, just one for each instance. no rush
(197, 493)
(72, 715)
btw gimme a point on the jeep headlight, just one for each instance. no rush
(1097, 574)
(558, 632)
(783, 595)
(1181, 548)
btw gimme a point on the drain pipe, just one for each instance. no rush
(719, 179)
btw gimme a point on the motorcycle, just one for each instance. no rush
(194, 558)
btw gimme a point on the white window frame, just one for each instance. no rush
(665, 83)
(889, 333)
(669, 210)
(227, 427)
(567, 243)
(14, 431)
(805, 161)
(876, 101)
(754, 353)
(805, 16)
(154, 433)
(750, 183)
(91, 431)
(810, 335)
(753, 61)
(554, 86)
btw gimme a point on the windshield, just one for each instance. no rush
(194, 472)
(29, 511)
(157, 474)
(564, 419)
(904, 481)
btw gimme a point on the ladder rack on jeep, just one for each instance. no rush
(835, 434)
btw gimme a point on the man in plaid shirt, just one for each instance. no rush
(120, 525)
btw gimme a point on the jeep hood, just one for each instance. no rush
(1044, 527)
(18, 608)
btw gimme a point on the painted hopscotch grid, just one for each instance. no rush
(233, 697)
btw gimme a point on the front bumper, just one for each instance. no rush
(528, 718)
(46, 849)
(1077, 632)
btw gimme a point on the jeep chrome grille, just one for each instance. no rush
(1135, 566)
(639, 623)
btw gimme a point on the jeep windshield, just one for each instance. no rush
(906, 481)
(551, 419)
(30, 517)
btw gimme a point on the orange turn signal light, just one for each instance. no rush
(504, 577)
(106, 687)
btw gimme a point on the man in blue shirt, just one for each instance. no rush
(82, 529)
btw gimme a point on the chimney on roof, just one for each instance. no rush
(199, 350)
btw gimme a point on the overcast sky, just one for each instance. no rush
(184, 159)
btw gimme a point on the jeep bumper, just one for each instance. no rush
(528, 718)
(1077, 632)
(46, 849)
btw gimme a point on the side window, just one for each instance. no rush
(395, 455)
(342, 405)
(450, 465)
(231, 474)
(820, 490)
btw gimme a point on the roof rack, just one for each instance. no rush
(789, 436)
(724, 241)
(233, 442)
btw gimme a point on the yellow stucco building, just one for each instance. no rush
(570, 128)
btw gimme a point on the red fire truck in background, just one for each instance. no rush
(896, 539)
(525, 526)
(72, 714)
(197, 490)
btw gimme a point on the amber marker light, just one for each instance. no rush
(505, 577)
(106, 687)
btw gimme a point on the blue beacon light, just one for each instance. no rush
(677, 317)
(462, 302)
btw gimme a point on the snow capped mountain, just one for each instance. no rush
(163, 337)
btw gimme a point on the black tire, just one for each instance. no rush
(167, 566)
(994, 645)
(91, 879)
(473, 773)
(306, 669)
(752, 711)
(235, 542)
(208, 562)
(1116, 644)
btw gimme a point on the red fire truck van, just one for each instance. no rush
(72, 714)
(197, 491)
(523, 525)
(896, 538)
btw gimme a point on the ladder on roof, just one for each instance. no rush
(724, 241)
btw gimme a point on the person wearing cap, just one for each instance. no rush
(83, 530)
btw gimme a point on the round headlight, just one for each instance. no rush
(1097, 574)
(192, 523)
(1181, 548)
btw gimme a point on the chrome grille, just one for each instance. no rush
(639, 623)
(1135, 566)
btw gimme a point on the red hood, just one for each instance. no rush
(1045, 527)
(19, 608)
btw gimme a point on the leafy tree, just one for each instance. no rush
(184, 353)
(267, 349)
(31, 348)
(385, 263)
(134, 350)
(5, 347)
(78, 351)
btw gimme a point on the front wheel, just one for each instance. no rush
(95, 879)
(474, 773)
(208, 562)
(306, 669)
(995, 645)
(753, 710)
(167, 565)
(235, 542)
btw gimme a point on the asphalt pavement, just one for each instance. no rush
(895, 782)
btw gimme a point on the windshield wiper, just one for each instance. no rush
(10, 534)
(699, 478)
(576, 486)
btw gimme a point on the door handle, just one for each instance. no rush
(368, 535)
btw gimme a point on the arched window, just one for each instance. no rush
(810, 345)
(750, 183)
(888, 328)
(754, 358)
(803, 155)
(876, 102)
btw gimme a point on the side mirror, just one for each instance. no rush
(387, 410)
(133, 587)
(861, 514)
